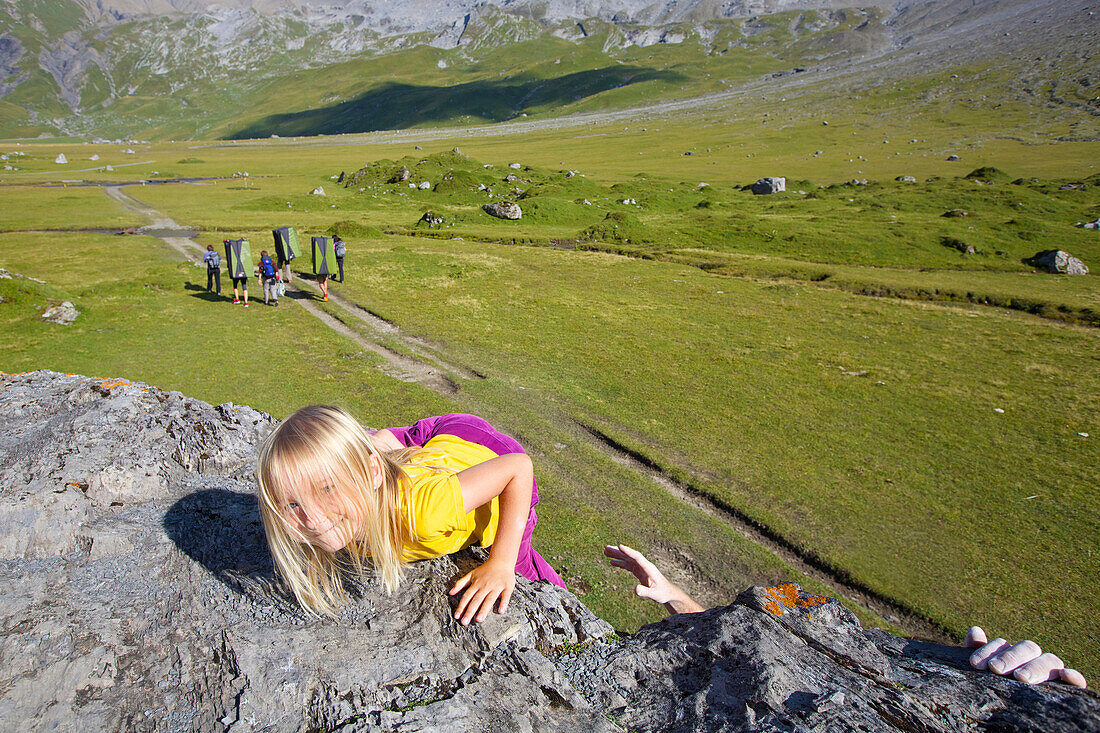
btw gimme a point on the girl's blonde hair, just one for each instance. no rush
(322, 457)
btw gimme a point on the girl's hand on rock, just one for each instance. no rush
(1025, 660)
(484, 585)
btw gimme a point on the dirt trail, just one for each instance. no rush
(424, 365)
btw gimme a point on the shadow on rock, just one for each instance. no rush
(222, 531)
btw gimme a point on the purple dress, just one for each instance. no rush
(474, 429)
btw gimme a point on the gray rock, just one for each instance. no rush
(425, 185)
(401, 175)
(63, 313)
(431, 219)
(769, 185)
(515, 166)
(319, 191)
(955, 213)
(60, 158)
(779, 660)
(511, 177)
(503, 210)
(906, 179)
(1057, 262)
(952, 157)
(138, 593)
(1089, 224)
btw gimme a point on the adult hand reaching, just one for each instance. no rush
(652, 584)
(1025, 660)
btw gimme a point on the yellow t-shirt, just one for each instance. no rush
(441, 525)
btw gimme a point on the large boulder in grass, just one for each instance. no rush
(63, 313)
(1057, 262)
(137, 592)
(503, 210)
(769, 185)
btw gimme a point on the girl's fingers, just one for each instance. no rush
(980, 658)
(1043, 668)
(505, 599)
(1009, 659)
(1072, 677)
(976, 637)
(460, 584)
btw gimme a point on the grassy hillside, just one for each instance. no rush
(726, 338)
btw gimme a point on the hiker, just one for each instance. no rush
(326, 484)
(339, 249)
(1025, 660)
(213, 262)
(322, 282)
(269, 277)
(242, 283)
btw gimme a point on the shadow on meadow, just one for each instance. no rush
(395, 106)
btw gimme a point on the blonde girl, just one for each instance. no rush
(334, 497)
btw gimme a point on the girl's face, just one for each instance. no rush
(322, 512)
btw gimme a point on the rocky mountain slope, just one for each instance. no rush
(186, 67)
(137, 594)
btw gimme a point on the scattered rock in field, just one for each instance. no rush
(1072, 187)
(503, 210)
(424, 185)
(689, 152)
(858, 182)
(4, 274)
(952, 157)
(1057, 262)
(401, 175)
(630, 202)
(319, 191)
(702, 185)
(906, 179)
(417, 147)
(955, 213)
(95, 156)
(515, 166)
(586, 202)
(958, 244)
(341, 177)
(481, 187)
(60, 158)
(128, 151)
(570, 174)
(1089, 224)
(431, 219)
(456, 151)
(769, 185)
(511, 177)
(62, 314)
(825, 123)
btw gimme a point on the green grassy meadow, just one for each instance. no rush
(823, 363)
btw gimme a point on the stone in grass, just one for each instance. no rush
(955, 213)
(769, 185)
(961, 246)
(952, 157)
(1089, 224)
(62, 314)
(515, 166)
(425, 185)
(906, 179)
(503, 210)
(431, 218)
(60, 158)
(319, 191)
(1057, 262)
(401, 175)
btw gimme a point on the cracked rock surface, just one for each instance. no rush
(137, 593)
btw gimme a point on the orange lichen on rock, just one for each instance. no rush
(112, 383)
(788, 597)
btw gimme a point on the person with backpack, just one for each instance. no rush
(213, 262)
(339, 249)
(269, 277)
